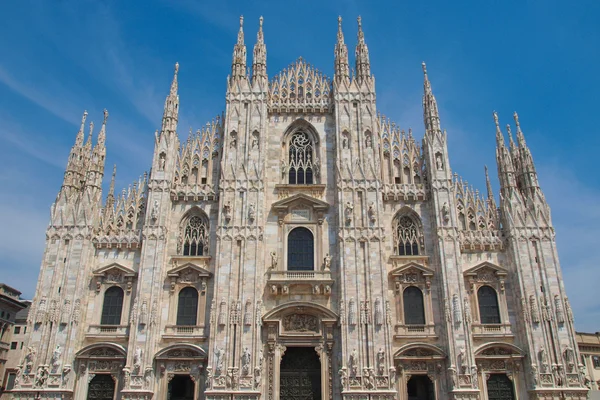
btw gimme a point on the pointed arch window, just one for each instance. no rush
(489, 312)
(414, 309)
(300, 159)
(406, 236)
(187, 307)
(112, 307)
(301, 250)
(195, 236)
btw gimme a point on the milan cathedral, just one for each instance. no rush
(300, 246)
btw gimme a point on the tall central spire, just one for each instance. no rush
(342, 69)
(259, 63)
(171, 112)
(238, 67)
(363, 66)
(431, 116)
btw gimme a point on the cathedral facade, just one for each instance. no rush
(300, 246)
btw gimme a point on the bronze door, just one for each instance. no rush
(499, 387)
(102, 387)
(300, 374)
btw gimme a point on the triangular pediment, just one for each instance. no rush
(488, 267)
(189, 268)
(412, 267)
(114, 268)
(300, 198)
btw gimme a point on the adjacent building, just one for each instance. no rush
(11, 309)
(301, 246)
(589, 346)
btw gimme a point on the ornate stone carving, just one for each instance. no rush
(535, 316)
(352, 312)
(222, 313)
(560, 315)
(353, 363)
(456, 309)
(301, 323)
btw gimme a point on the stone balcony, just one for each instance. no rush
(404, 191)
(414, 331)
(492, 330)
(107, 331)
(184, 332)
(291, 282)
(4, 346)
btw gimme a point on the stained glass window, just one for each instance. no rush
(300, 159)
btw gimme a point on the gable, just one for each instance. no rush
(486, 270)
(114, 269)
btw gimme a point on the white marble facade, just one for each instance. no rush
(198, 280)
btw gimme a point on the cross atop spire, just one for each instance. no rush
(363, 65)
(259, 61)
(342, 70)
(431, 116)
(238, 66)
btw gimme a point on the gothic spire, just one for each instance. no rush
(490, 192)
(110, 198)
(238, 67)
(431, 116)
(528, 174)
(363, 66)
(171, 112)
(506, 172)
(259, 62)
(342, 69)
(80, 134)
(102, 134)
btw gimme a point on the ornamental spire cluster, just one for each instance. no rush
(363, 65)
(259, 60)
(342, 70)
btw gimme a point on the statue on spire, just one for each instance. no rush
(259, 63)
(363, 65)
(238, 67)
(342, 69)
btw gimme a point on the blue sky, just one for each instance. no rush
(537, 57)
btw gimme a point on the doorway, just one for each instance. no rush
(499, 387)
(181, 387)
(420, 387)
(300, 374)
(101, 387)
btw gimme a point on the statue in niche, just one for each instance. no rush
(154, 212)
(55, 360)
(439, 164)
(353, 363)
(368, 142)
(445, 213)
(317, 167)
(381, 361)
(137, 358)
(327, 262)
(371, 212)
(227, 211)
(349, 210)
(251, 212)
(273, 260)
(161, 162)
(345, 141)
(255, 140)
(246, 358)
(284, 168)
(219, 360)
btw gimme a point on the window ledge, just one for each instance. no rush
(412, 331)
(492, 330)
(287, 282)
(103, 331)
(184, 332)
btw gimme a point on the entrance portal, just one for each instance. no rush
(101, 387)
(499, 387)
(420, 387)
(300, 374)
(181, 387)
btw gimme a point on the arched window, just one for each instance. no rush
(195, 236)
(414, 311)
(112, 307)
(187, 307)
(406, 236)
(488, 305)
(300, 159)
(301, 250)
